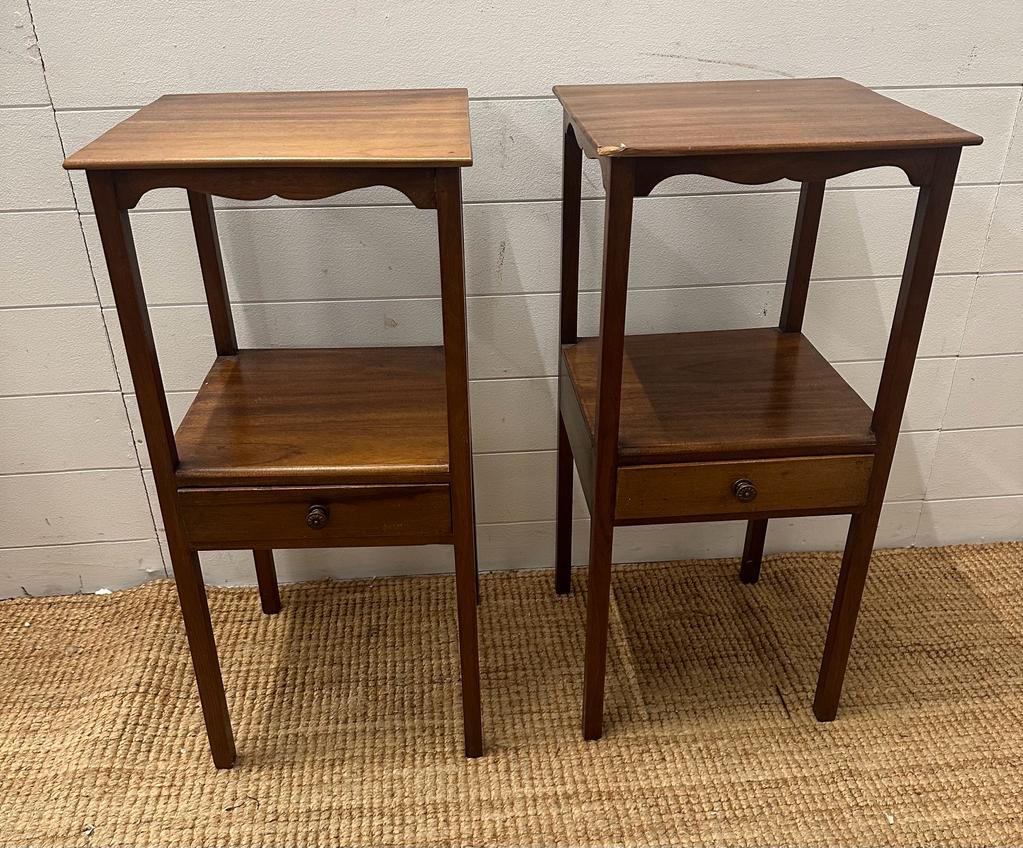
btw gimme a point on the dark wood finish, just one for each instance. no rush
(299, 448)
(126, 282)
(753, 550)
(266, 579)
(211, 264)
(202, 646)
(725, 394)
(804, 240)
(577, 432)
(563, 535)
(771, 167)
(278, 516)
(922, 256)
(798, 485)
(748, 423)
(417, 184)
(570, 211)
(318, 417)
(463, 513)
(617, 236)
(422, 128)
(204, 223)
(747, 116)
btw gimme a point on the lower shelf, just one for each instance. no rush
(295, 417)
(701, 412)
(724, 394)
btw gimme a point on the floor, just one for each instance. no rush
(345, 709)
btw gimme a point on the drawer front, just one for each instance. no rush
(313, 517)
(736, 489)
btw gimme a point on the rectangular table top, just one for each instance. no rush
(404, 128)
(748, 116)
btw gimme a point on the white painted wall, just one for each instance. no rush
(74, 510)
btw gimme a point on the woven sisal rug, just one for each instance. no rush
(346, 714)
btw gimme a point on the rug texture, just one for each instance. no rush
(346, 713)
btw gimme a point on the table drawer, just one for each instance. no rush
(737, 488)
(314, 517)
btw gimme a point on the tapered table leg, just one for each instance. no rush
(851, 580)
(921, 259)
(793, 308)
(753, 550)
(563, 544)
(617, 237)
(463, 517)
(195, 613)
(571, 198)
(266, 579)
(598, 603)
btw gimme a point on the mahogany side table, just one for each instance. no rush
(753, 423)
(293, 448)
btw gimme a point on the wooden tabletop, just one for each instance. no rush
(748, 116)
(421, 128)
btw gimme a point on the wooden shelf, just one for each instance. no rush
(323, 417)
(731, 394)
(748, 116)
(421, 128)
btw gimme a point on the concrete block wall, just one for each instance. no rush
(77, 508)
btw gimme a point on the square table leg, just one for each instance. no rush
(753, 550)
(617, 236)
(137, 332)
(922, 256)
(211, 265)
(570, 212)
(793, 308)
(463, 518)
(266, 579)
(195, 613)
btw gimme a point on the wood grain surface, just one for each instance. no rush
(725, 394)
(297, 417)
(422, 128)
(747, 116)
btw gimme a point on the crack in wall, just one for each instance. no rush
(704, 61)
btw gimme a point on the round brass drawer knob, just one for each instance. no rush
(317, 517)
(744, 490)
